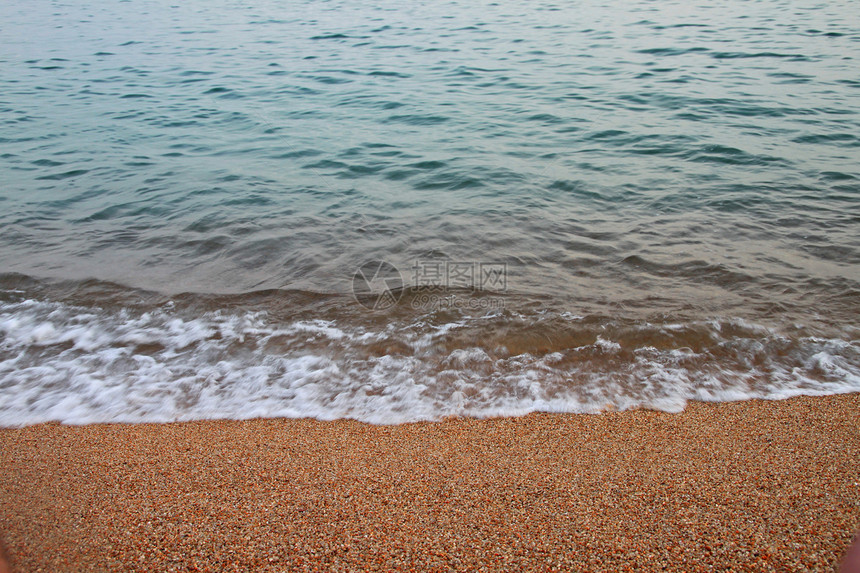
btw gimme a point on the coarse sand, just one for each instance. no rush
(756, 485)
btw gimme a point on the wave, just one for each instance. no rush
(95, 352)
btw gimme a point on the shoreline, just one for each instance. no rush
(760, 485)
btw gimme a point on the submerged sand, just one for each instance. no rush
(758, 485)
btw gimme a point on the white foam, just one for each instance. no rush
(607, 345)
(84, 365)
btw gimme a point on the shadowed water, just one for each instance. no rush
(672, 189)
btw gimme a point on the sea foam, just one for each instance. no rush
(75, 364)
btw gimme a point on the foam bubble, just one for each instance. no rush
(61, 362)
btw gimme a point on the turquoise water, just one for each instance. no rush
(668, 192)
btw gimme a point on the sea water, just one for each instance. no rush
(400, 211)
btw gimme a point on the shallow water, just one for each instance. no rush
(618, 205)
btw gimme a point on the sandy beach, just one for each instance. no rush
(758, 485)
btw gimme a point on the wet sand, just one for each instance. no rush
(758, 485)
